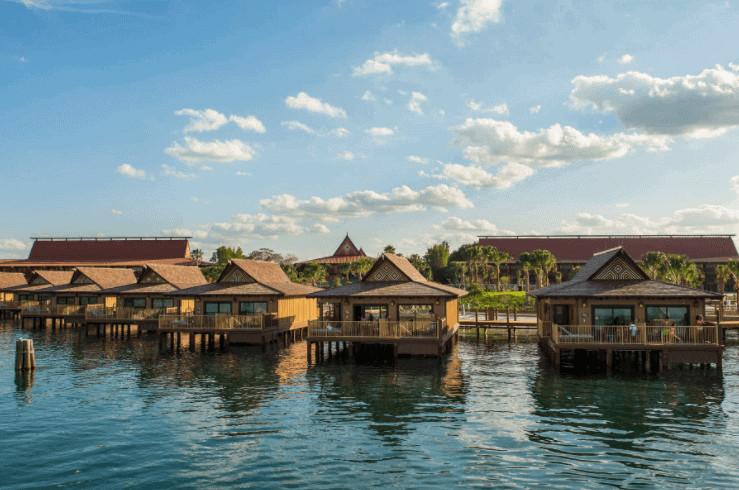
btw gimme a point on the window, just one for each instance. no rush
(565, 267)
(415, 312)
(613, 315)
(677, 314)
(252, 308)
(65, 300)
(44, 298)
(25, 297)
(331, 312)
(139, 303)
(88, 300)
(369, 312)
(213, 308)
(162, 303)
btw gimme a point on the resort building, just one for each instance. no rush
(66, 254)
(87, 286)
(10, 280)
(346, 253)
(34, 289)
(612, 306)
(707, 251)
(394, 305)
(255, 298)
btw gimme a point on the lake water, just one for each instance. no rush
(119, 413)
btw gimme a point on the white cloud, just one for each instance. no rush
(415, 159)
(305, 101)
(129, 171)
(380, 131)
(13, 244)
(115, 211)
(293, 125)
(207, 120)
(734, 181)
(321, 228)
(366, 203)
(250, 123)
(339, 132)
(478, 226)
(622, 205)
(501, 109)
(697, 106)
(441, 112)
(535, 109)
(706, 218)
(195, 151)
(625, 59)
(194, 199)
(382, 63)
(474, 15)
(414, 105)
(488, 142)
(601, 58)
(36, 4)
(442, 5)
(477, 177)
(245, 227)
(369, 96)
(345, 155)
(173, 172)
(243, 174)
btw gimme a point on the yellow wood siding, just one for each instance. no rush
(452, 312)
(110, 301)
(292, 311)
(187, 305)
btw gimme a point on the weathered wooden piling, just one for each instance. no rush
(25, 357)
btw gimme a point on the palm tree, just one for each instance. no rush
(389, 249)
(472, 254)
(653, 263)
(345, 269)
(525, 265)
(314, 273)
(733, 266)
(575, 269)
(497, 257)
(197, 255)
(458, 270)
(543, 262)
(362, 266)
(723, 274)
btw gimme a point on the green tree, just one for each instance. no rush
(389, 249)
(290, 271)
(458, 271)
(346, 269)
(362, 266)
(220, 259)
(723, 274)
(471, 254)
(497, 257)
(525, 265)
(437, 257)
(314, 273)
(197, 255)
(543, 262)
(575, 269)
(265, 254)
(653, 263)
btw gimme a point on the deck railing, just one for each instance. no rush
(544, 328)
(626, 335)
(378, 329)
(100, 312)
(215, 322)
(16, 305)
(53, 310)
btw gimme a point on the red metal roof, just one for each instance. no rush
(582, 248)
(106, 250)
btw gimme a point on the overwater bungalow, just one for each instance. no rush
(252, 302)
(9, 307)
(393, 306)
(612, 308)
(34, 289)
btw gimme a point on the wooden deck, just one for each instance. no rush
(414, 338)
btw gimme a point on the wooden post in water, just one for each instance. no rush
(508, 322)
(25, 357)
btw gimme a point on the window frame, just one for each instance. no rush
(219, 304)
(431, 311)
(613, 307)
(131, 303)
(242, 303)
(687, 314)
(162, 300)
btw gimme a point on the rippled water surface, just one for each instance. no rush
(119, 413)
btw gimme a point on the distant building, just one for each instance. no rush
(66, 254)
(347, 252)
(707, 251)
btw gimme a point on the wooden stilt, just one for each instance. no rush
(309, 352)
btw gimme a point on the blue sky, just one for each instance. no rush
(289, 124)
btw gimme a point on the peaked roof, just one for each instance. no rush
(590, 282)
(55, 278)
(10, 279)
(347, 248)
(412, 283)
(178, 275)
(106, 278)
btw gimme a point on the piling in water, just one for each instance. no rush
(25, 357)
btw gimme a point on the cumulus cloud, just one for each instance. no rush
(501, 109)
(345, 155)
(207, 120)
(382, 63)
(339, 132)
(248, 123)
(415, 159)
(477, 177)
(478, 226)
(622, 205)
(305, 101)
(13, 244)
(488, 142)
(205, 167)
(195, 152)
(414, 105)
(293, 125)
(706, 218)
(734, 181)
(625, 59)
(380, 131)
(115, 211)
(129, 171)
(535, 109)
(321, 228)
(173, 172)
(695, 106)
(474, 15)
(366, 203)
(369, 96)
